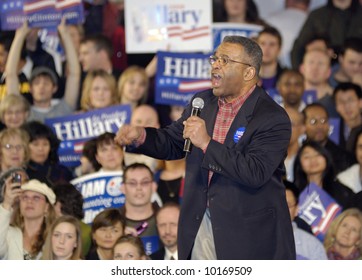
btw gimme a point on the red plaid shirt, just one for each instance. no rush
(225, 117)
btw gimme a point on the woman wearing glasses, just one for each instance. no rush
(25, 215)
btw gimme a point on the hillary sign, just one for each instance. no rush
(40, 13)
(180, 75)
(178, 25)
(75, 130)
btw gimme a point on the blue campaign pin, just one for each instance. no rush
(238, 134)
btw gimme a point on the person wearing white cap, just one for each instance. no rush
(25, 215)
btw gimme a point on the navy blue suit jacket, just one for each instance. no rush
(246, 197)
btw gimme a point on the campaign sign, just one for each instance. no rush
(40, 13)
(150, 243)
(222, 29)
(334, 127)
(318, 209)
(179, 76)
(100, 190)
(178, 25)
(76, 129)
(12, 15)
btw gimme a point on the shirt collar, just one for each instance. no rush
(236, 103)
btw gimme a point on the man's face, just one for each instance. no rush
(167, 224)
(316, 67)
(348, 105)
(270, 47)
(351, 63)
(291, 89)
(145, 116)
(228, 80)
(138, 187)
(3, 58)
(88, 56)
(42, 88)
(316, 124)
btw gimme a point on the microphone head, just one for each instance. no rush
(198, 103)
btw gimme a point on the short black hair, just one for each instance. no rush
(347, 86)
(70, 198)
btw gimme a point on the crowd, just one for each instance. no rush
(304, 50)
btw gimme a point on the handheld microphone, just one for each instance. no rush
(197, 105)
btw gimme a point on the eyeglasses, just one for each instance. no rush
(134, 184)
(35, 198)
(13, 147)
(223, 60)
(315, 121)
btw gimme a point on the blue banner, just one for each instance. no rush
(100, 190)
(179, 76)
(318, 209)
(220, 30)
(40, 13)
(76, 129)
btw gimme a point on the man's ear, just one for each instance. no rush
(55, 88)
(249, 74)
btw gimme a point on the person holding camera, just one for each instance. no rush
(25, 214)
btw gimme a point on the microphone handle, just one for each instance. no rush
(187, 145)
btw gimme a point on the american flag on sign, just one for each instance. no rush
(65, 4)
(187, 86)
(195, 33)
(34, 6)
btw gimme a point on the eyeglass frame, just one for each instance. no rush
(227, 60)
(35, 198)
(314, 121)
(10, 147)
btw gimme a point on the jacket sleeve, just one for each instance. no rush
(5, 216)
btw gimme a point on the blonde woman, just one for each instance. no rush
(99, 91)
(343, 239)
(133, 86)
(64, 241)
(25, 215)
(14, 110)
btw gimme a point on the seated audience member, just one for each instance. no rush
(348, 100)
(298, 130)
(307, 246)
(289, 21)
(129, 247)
(109, 154)
(26, 214)
(88, 161)
(167, 226)
(349, 67)
(316, 121)
(313, 164)
(138, 186)
(133, 86)
(270, 41)
(99, 91)
(291, 88)
(352, 176)
(14, 111)
(44, 81)
(337, 19)
(146, 116)
(344, 236)
(107, 227)
(63, 241)
(14, 149)
(316, 69)
(69, 201)
(43, 155)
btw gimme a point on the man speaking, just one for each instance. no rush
(234, 204)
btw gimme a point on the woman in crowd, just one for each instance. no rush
(133, 86)
(107, 227)
(99, 91)
(63, 242)
(25, 216)
(14, 110)
(129, 247)
(69, 201)
(44, 161)
(14, 150)
(313, 164)
(109, 154)
(343, 239)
